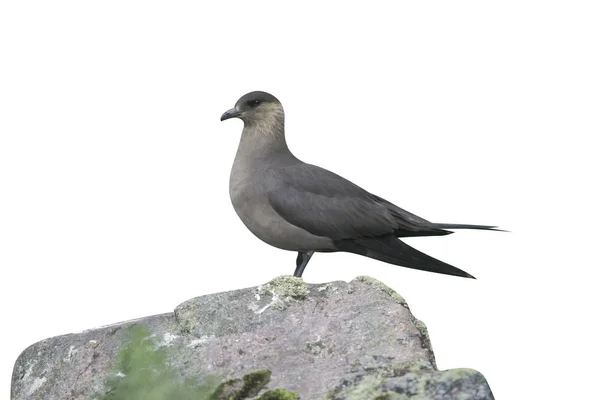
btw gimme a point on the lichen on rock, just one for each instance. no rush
(286, 286)
(420, 384)
(383, 287)
(359, 337)
(238, 389)
(279, 394)
(283, 290)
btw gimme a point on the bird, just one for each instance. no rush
(303, 208)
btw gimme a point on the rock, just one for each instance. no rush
(281, 340)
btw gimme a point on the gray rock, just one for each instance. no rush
(339, 340)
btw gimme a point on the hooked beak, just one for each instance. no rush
(233, 113)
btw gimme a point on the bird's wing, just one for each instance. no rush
(325, 204)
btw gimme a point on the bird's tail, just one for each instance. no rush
(467, 226)
(392, 250)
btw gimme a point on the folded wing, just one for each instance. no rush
(325, 204)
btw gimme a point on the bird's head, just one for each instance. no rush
(258, 109)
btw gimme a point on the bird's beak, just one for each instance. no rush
(233, 113)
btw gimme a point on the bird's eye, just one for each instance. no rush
(253, 103)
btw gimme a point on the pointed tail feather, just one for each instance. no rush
(468, 226)
(392, 250)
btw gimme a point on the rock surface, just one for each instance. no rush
(338, 340)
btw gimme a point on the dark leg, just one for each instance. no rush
(301, 261)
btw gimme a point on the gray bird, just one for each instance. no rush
(304, 208)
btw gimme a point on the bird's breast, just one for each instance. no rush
(249, 195)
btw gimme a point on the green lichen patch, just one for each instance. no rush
(255, 381)
(398, 369)
(278, 304)
(228, 389)
(389, 396)
(279, 394)
(410, 366)
(238, 389)
(283, 290)
(421, 384)
(365, 388)
(383, 287)
(289, 287)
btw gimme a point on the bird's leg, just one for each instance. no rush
(301, 262)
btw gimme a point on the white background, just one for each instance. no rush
(114, 166)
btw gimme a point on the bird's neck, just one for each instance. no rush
(264, 138)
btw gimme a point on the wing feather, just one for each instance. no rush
(325, 204)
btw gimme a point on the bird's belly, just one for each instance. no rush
(264, 222)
